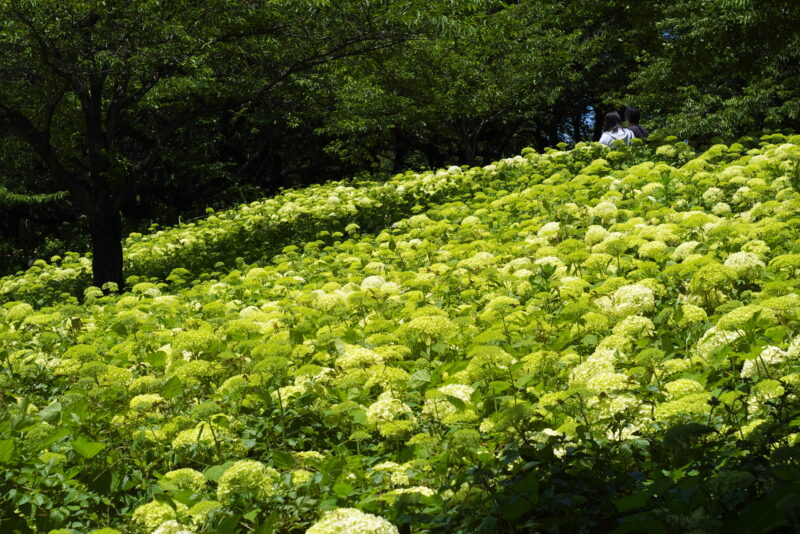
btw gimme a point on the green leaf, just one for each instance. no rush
(7, 449)
(631, 502)
(641, 523)
(51, 412)
(523, 495)
(120, 329)
(268, 526)
(86, 447)
(172, 388)
(498, 387)
(251, 515)
(523, 381)
(77, 411)
(776, 334)
(359, 416)
(763, 515)
(226, 526)
(214, 473)
(342, 489)
(157, 359)
(59, 433)
(419, 379)
(283, 459)
(455, 401)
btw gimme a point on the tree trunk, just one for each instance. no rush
(433, 155)
(467, 152)
(401, 148)
(106, 231)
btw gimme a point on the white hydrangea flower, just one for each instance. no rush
(653, 249)
(145, 402)
(372, 283)
(478, 261)
(155, 513)
(187, 479)
(398, 474)
(387, 409)
(247, 477)
(599, 363)
(604, 210)
(633, 299)
(356, 356)
(634, 327)
(172, 527)
(712, 195)
(553, 261)
(759, 366)
(414, 490)
(721, 208)
(549, 229)
(595, 234)
(682, 387)
(714, 339)
(351, 521)
(440, 408)
(746, 265)
(430, 326)
(685, 249)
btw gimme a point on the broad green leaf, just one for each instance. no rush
(283, 459)
(86, 447)
(455, 401)
(51, 412)
(7, 449)
(214, 473)
(631, 502)
(498, 387)
(342, 489)
(59, 433)
(268, 526)
(172, 388)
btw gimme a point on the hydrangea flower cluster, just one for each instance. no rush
(353, 521)
(247, 478)
(542, 301)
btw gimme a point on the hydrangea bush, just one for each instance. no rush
(576, 341)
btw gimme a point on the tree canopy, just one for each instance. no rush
(141, 109)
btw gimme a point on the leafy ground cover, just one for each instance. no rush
(252, 232)
(586, 340)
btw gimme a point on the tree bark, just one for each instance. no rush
(401, 148)
(106, 232)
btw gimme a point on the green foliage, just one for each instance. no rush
(754, 44)
(532, 349)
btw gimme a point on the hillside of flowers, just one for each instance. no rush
(590, 340)
(246, 234)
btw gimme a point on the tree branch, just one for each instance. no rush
(18, 124)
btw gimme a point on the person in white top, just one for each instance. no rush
(613, 130)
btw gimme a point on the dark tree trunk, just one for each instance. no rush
(599, 114)
(467, 152)
(433, 155)
(576, 129)
(401, 148)
(551, 130)
(106, 231)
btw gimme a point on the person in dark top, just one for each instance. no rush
(613, 130)
(632, 116)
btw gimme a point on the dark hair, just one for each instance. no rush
(611, 121)
(632, 115)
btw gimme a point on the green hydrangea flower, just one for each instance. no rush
(351, 521)
(247, 479)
